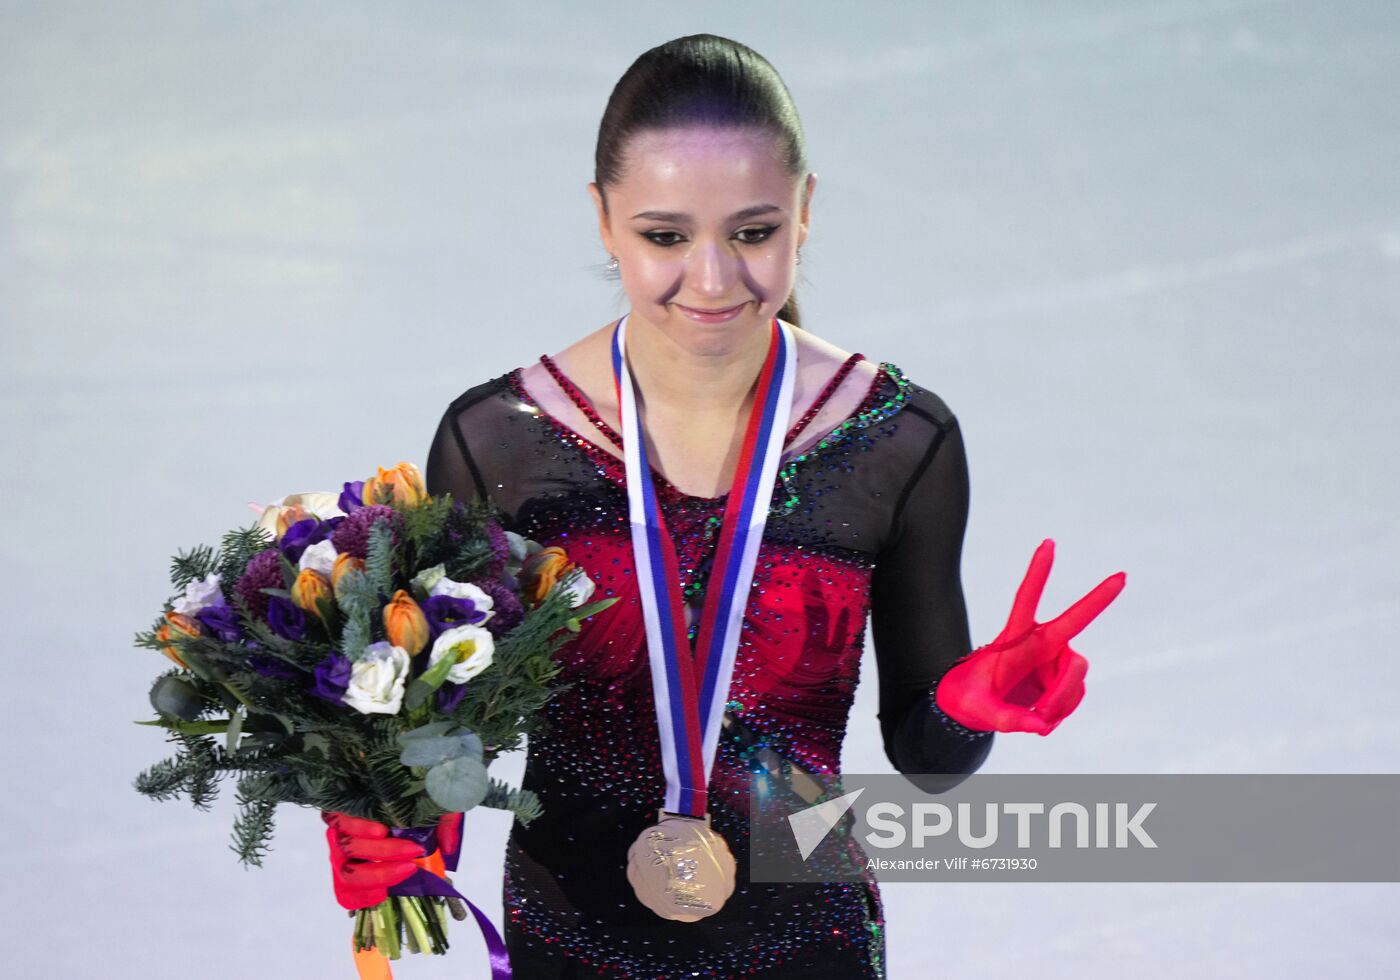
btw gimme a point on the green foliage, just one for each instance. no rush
(524, 803)
(379, 559)
(253, 827)
(237, 549)
(191, 567)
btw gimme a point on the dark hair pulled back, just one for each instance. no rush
(700, 79)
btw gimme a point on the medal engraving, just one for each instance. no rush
(680, 868)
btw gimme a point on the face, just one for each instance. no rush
(705, 219)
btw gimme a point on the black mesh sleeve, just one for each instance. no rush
(919, 617)
(451, 467)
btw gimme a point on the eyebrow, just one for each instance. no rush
(680, 217)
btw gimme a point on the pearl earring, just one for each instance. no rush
(612, 266)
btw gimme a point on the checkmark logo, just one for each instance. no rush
(811, 825)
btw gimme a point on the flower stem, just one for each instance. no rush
(414, 919)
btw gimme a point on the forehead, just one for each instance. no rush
(701, 168)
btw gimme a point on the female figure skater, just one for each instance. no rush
(706, 389)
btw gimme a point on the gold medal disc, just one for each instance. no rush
(680, 868)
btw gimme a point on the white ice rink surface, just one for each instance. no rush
(1149, 252)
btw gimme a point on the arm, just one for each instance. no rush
(919, 619)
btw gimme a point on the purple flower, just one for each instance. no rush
(352, 497)
(220, 620)
(450, 695)
(352, 536)
(332, 677)
(500, 547)
(286, 619)
(509, 611)
(302, 535)
(272, 667)
(264, 571)
(446, 611)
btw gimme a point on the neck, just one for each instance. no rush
(698, 379)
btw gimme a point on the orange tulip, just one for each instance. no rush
(310, 586)
(404, 623)
(542, 570)
(404, 482)
(181, 623)
(344, 562)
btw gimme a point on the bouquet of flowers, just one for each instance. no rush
(367, 654)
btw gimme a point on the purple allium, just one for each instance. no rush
(500, 546)
(302, 535)
(220, 620)
(352, 536)
(446, 611)
(264, 571)
(286, 619)
(352, 497)
(450, 695)
(509, 611)
(332, 677)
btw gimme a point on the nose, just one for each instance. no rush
(711, 268)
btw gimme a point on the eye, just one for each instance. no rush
(666, 239)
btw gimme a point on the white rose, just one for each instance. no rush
(471, 646)
(377, 680)
(200, 595)
(580, 585)
(319, 557)
(466, 590)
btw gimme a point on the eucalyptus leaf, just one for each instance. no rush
(430, 730)
(458, 784)
(471, 743)
(431, 751)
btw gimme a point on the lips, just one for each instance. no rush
(722, 309)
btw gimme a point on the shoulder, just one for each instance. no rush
(925, 403)
(483, 392)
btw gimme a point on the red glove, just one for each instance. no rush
(1027, 679)
(365, 860)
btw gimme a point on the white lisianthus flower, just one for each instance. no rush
(580, 585)
(472, 646)
(466, 590)
(200, 595)
(377, 680)
(319, 557)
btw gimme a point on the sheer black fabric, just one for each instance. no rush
(879, 508)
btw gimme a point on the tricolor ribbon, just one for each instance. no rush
(690, 691)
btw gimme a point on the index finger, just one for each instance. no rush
(1028, 593)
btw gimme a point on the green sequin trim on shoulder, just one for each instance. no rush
(843, 433)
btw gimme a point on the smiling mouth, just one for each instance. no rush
(722, 309)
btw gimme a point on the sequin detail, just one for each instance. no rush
(596, 763)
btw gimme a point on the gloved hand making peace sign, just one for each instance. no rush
(1027, 679)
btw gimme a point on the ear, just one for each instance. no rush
(604, 232)
(805, 217)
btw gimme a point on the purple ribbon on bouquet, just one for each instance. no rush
(423, 883)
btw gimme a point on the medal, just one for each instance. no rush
(680, 867)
